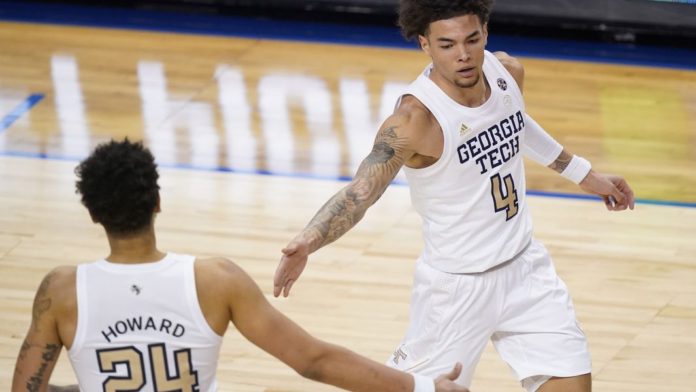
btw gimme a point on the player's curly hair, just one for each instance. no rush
(118, 184)
(415, 16)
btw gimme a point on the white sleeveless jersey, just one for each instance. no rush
(472, 200)
(140, 328)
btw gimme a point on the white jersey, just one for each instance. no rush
(472, 200)
(140, 327)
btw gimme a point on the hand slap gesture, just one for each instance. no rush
(290, 267)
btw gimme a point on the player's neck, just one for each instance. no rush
(135, 249)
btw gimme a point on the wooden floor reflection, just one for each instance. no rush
(311, 110)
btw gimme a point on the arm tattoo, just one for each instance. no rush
(348, 206)
(42, 302)
(23, 351)
(48, 357)
(383, 162)
(561, 162)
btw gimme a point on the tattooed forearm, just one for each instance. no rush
(561, 162)
(334, 219)
(48, 358)
(348, 206)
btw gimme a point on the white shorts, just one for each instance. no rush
(521, 305)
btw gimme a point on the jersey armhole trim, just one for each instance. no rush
(82, 316)
(195, 305)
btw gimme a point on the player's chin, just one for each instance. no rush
(466, 82)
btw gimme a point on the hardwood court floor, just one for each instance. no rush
(311, 109)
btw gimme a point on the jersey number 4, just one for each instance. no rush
(504, 195)
(184, 379)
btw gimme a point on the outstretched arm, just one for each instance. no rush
(389, 152)
(312, 358)
(348, 206)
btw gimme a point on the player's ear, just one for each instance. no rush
(158, 208)
(424, 43)
(485, 34)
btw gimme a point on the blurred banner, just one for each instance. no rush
(619, 19)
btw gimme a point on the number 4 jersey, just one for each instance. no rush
(472, 200)
(140, 328)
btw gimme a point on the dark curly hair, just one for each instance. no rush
(118, 184)
(415, 16)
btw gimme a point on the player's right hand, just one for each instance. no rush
(445, 382)
(290, 267)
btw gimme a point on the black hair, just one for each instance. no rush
(415, 16)
(118, 184)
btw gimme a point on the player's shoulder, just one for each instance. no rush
(412, 115)
(508, 61)
(512, 64)
(60, 277)
(221, 267)
(219, 273)
(59, 284)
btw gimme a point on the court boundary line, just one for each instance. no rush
(333, 33)
(26, 105)
(305, 176)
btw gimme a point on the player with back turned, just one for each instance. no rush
(145, 320)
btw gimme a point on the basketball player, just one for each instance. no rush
(145, 320)
(459, 132)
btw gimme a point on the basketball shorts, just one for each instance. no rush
(521, 305)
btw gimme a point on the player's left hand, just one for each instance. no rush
(445, 382)
(614, 190)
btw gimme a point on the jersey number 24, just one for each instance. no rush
(184, 379)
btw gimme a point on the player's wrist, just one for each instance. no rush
(310, 238)
(578, 168)
(423, 383)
